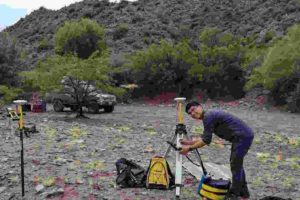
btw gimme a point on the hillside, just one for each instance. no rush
(149, 21)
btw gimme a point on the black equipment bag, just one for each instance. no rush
(130, 174)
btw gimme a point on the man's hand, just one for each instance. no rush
(189, 145)
(184, 150)
(185, 141)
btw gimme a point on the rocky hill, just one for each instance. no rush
(147, 21)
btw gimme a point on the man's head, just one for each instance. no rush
(194, 109)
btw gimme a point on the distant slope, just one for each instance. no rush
(150, 20)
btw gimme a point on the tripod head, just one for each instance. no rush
(180, 101)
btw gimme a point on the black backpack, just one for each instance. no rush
(130, 174)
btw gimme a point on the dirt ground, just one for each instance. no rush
(73, 158)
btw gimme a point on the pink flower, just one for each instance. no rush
(260, 100)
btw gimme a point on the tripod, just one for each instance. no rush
(180, 132)
(19, 103)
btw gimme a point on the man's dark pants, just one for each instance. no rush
(239, 149)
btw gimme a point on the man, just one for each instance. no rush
(230, 128)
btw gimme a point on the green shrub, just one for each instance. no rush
(82, 38)
(164, 67)
(293, 101)
(7, 94)
(121, 31)
(9, 59)
(269, 35)
(279, 61)
(43, 44)
(222, 55)
(23, 55)
(283, 87)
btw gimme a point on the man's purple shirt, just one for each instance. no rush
(224, 125)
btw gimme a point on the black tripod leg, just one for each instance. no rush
(199, 158)
(22, 161)
(169, 147)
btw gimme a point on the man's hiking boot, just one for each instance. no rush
(230, 196)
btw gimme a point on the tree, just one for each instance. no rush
(280, 61)
(81, 74)
(7, 94)
(9, 59)
(280, 70)
(80, 38)
(163, 67)
(221, 56)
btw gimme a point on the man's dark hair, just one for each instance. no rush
(190, 104)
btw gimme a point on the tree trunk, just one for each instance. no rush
(80, 112)
(180, 89)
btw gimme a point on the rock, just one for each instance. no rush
(79, 141)
(39, 188)
(60, 161)
(149, 149)
(54, 192)
(2, 189)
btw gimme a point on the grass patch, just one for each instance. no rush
(124, 128)
(77, 132)
(50, 135)
(151, 131)
(262, 157)
(288, 182)
(278, 138)
(49, 181)
(14, 179)
(294, 141)
(294, 162)
(257, 141)
(94, 165)
(197, 130)
(257, 182)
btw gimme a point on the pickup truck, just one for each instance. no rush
(93, 102)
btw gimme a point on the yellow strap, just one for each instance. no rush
(212, 189)
(211, 196)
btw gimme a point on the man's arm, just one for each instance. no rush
(197, 144)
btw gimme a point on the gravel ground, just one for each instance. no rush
(71, 158)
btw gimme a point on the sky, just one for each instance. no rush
(12, 10)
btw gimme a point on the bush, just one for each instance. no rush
(293, 101)
(7, 94)
(279, 61)
(283, 88)
(120, 31)
(43, 44)
(222, 55)
(9, 60)
(227, 84)
(163, 67)
(81, 38)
